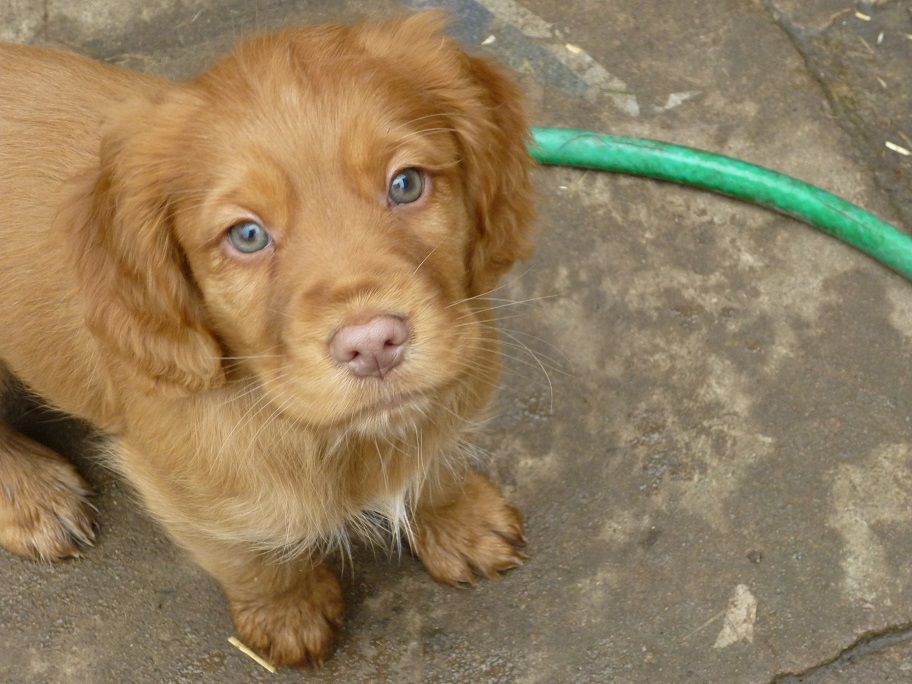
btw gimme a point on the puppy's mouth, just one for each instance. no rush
(394, 401)
(389, 414)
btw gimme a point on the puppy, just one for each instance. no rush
(267, 286)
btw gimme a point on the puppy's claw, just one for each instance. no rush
(45, 514)
(477, 534)
(295, 627)
(57, 534)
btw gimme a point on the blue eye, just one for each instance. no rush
(406, 186)
(248, 237)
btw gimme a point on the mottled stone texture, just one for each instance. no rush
(705, 416)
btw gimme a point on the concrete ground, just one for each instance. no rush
(709, 432)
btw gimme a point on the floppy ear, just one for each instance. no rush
(485, 108)
(493, 133)
(140, 300)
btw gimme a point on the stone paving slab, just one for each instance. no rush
(708, 433)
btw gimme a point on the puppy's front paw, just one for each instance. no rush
(475, 532)
(295, 626)
(44, 509)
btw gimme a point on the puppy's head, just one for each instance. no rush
(323, 210)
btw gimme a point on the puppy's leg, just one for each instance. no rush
(463, 526)
(288, 610)
(44, 512)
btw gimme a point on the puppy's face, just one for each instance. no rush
(339, 204)
(335, 201)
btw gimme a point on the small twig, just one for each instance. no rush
(714, 618)
(234, 641)
(899, 150)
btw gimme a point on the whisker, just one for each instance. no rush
(509, 303)
(485, 295)
(442, 115)
(418, 267)
(543, 341)
(543, 359)
(427, 131)
(544, 370)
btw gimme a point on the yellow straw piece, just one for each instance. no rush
(234, 641)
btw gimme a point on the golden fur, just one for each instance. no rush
(127, 304)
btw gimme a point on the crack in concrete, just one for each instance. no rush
(793, 34)
(868, 643)
(855, 126)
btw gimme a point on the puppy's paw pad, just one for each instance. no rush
(296, 627)
(478, 533)
(45, 513)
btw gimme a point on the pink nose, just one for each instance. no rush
(373, 348)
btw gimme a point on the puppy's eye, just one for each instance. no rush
(248, 237)
(406, 186)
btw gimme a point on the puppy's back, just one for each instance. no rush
(52, 113)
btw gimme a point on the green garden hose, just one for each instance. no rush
(727, 176)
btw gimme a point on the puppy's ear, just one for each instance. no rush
(485, 108)
(493, 133)
(140, 299)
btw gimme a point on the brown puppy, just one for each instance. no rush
(268, 286)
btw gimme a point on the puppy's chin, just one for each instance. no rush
(392, 417)
(370, 408)
(388, 409)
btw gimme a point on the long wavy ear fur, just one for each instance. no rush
(485, 108)
(489, 117)
(498, 163)
(140, 300)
